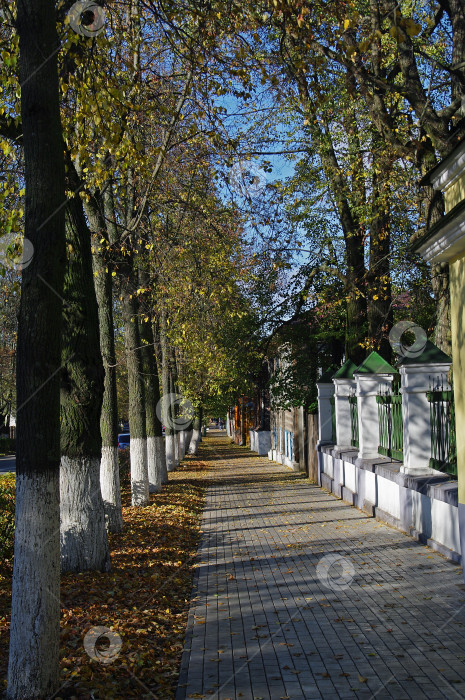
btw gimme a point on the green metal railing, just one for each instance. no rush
(391, 434)
(353, 421)
(443, 443)
(333, 419)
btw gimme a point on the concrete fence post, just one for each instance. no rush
(373, 376)
(420, 374)
(344, 386)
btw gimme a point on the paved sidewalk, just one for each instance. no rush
(273, 617)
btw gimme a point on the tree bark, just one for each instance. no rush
(196, 432)
(102, 267)
(348, 200)
(33, 670)
(379, 297)
(156, 457)
(434, 201)
(84, 543)
(167, 412)
(188, 439)
(137, 421)
(173, 411)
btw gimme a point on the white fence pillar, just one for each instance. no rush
(372, 376)
(344, 386)
(420, 374)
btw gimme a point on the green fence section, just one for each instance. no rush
(391, 434)
(332, 401)
(353, 421)
(443, 444)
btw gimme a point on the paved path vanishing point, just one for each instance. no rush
(273, 617)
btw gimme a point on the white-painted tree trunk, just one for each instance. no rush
(161, 459)
(36, 588)
(194, 444)
(188, 441)
(182, 444)
(152, 465)
(84, 543)
(176, 450)
(139, 472)
(110, 487)
(169, 446)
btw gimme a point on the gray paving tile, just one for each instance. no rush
(389, 623)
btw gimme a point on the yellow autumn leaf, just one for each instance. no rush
(364, 45)
(397, 33)
(411, 27)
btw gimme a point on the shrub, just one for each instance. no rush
(7, 444)
(7, 520)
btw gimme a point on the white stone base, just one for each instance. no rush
(422, 504)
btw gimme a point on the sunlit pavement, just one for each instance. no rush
(273, 616)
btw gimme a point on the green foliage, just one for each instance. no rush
(301, 351)
(7, 445)
(7, 521)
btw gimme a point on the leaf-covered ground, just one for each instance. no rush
(144, 600)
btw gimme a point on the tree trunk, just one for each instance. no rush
(84, 544)
(182, 444)
(137, 425)
(160, 441)
(379, 297)
(439, 271)
(167, 413)
(109, 466)
(33, 670)
(196, 432)
(156, 458)
(441, 290)
(174, 407)
(188, 439)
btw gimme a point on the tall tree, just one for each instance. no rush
(156, 456)
(137, 417)
(84, 542)
(166, 398)
(35, 618)
(99, 212)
